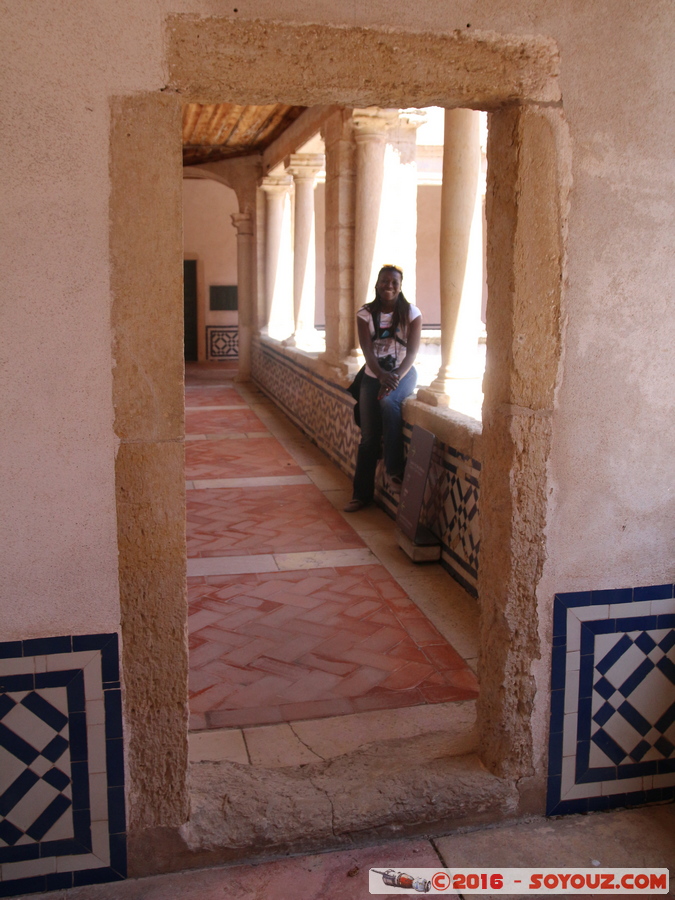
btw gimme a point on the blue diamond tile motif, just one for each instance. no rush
(613, 699)
(61, 807)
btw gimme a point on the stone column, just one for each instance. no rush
(370, 134)
(278, 256)
(397, 231)
(386, 197)
(461, 262)
(304, 167)
(243, 222)
(337, 135)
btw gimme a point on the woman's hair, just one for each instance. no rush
(401, 315)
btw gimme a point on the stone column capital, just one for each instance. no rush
(411, 118)
(243, 222)
(305, 166)
(276, 184)
(372, 123)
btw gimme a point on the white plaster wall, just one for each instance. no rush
(210, 237)
(612, 513)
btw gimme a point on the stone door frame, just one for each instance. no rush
(218, 59)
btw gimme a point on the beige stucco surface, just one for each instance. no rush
(612, 508)
(210, 238)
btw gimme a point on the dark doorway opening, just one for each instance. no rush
(190, 309)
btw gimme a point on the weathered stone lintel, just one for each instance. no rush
(213, 58)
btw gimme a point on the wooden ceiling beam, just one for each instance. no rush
(298, 133)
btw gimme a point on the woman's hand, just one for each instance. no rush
(389, 382)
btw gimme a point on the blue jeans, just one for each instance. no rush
(381, 425)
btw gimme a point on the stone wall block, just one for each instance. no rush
(525, 265)
(513, 518)
(152, 554)
(502, 215)
(537, 264)
(210, 58)
(146, 252)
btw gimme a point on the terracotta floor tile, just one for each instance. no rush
(233, 458)
(444, 656)
(232, 674)
(199, 680)
(360, 681)
(383, 640)
(278, 667)
(283, 519)
(293, 644)
(205, 654)
(295, 647)
(213, 396)
(447, 693)
(211, 698)
(197, 722)
(201, 618)
(410, 675)
(327, 665)
(226, 638)
(376, 660)
(215, 421)
(245, 655)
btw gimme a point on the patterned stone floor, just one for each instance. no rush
(291, 616)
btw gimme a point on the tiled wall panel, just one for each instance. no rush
(323, 410)
(222, 341)
(612, 740)
(62, 815)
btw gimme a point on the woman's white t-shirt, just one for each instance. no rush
(387, 346)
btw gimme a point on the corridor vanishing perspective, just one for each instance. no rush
(292, 616)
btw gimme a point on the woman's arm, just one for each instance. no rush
(412, 348)
(388, 380)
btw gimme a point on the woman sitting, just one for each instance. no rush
(389, 333)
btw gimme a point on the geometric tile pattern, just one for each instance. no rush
(612, 737)
(306, 644)
(222, 341)
(62, 820)
(323, 410)
(279, 519)
(451, 510)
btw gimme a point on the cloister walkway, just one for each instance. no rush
(298, 613)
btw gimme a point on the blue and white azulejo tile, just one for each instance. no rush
(612, 740)
(62, 819)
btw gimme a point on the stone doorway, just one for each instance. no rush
(253, 62)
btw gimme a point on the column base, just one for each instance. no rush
(462, 394)
(432, 397)
(311, 341)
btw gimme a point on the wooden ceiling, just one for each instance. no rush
(221, 131)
